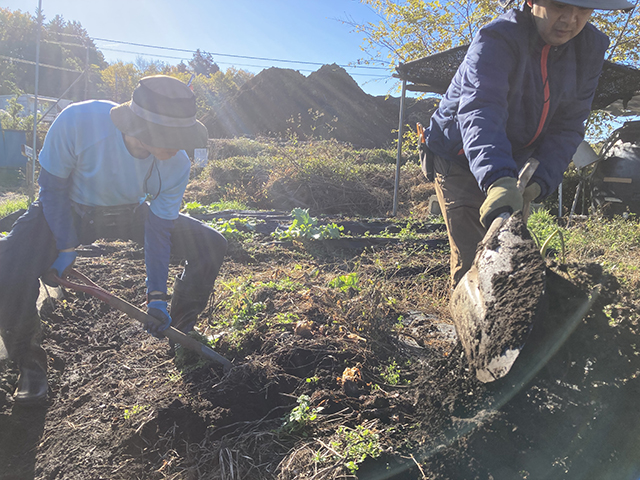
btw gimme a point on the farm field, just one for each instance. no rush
(345, 359)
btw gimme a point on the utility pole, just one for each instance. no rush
(86, 71)
(31, 175)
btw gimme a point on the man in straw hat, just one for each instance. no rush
(110, 171)
(524, 89)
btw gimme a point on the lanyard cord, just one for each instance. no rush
(145, 186)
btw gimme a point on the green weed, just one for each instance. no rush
(301, 415)
(238, 229)
(135, 410)
(391, 373)
(284, 318)
(345, 282)
(305, 227)
(355, 445)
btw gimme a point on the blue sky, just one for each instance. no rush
(296, 30)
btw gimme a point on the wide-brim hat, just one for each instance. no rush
(601, 4)
(161, 113)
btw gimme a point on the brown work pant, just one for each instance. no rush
(460, 199)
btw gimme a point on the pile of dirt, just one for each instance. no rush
(327, 104)
(123, 406)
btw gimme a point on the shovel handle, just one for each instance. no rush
(132, 311)
(523, 179)
(526, 173)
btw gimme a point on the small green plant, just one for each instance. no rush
(240, 307)
(391, 373)
(355, 445)
(238, 229)
(301, 415)
(284, 318)
(305, 227)
(542, 225)
(194, 208)
(136, 409)
(545, 245)
(345, 282)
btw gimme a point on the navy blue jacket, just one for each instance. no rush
(514, 97)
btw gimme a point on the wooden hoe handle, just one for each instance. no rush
(134, 312)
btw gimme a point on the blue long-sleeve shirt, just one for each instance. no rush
(515, 97)
(84, 160)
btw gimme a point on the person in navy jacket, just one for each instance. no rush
(116, 172)
(523, 90)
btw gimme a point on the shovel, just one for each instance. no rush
(495, 304)
(87, 286)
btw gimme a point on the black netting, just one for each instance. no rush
(614, 181)
(434, 73)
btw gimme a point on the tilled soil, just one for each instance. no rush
(123, 405)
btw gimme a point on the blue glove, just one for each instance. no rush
(64, 261)
(158, 310)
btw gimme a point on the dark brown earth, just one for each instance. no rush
(121, 406)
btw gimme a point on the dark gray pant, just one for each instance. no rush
(29, 251)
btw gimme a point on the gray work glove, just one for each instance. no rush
(503, 196)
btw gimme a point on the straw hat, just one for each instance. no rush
(161, 113)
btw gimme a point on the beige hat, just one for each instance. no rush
(161, 113)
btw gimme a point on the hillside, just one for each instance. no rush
(328, 104)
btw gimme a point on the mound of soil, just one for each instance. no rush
(327, 104)
(122, 405)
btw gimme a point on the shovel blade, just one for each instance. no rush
(496, 302)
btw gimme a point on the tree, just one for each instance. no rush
(214, 90)
(65, 49)
(411, 29)
(202, 64)
(118, 81)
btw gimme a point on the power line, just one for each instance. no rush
(246, 57)
(29, 62)
(229, 63)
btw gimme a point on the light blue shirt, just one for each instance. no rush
(84, 145)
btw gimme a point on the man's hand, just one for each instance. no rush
(502, 197)
(65, 261)
(158, 310)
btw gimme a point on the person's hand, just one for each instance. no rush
(502, 197)
(531, 192)
(65, 261)
(158, 310)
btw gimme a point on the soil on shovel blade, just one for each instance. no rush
(122, 405)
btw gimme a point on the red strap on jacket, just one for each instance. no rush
(545, 81)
